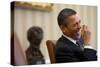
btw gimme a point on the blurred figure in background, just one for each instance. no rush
(33, 53)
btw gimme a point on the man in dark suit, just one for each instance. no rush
(69, 47)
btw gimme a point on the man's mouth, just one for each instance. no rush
(78, 33)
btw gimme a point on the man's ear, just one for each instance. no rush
(63, 29)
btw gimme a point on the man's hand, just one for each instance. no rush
(86, 35)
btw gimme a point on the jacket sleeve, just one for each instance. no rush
(90, 54)
(65, 55)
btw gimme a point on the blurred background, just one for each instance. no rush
(45, 15)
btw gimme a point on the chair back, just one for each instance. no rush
(51, 50)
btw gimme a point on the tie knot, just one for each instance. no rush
(78, 43)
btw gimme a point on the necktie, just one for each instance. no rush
(79, 44)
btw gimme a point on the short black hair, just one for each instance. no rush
(35, 33)
(64, 14)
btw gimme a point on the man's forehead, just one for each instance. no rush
(75, 17)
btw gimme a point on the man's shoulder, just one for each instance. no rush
(62, 40)
(62, 43)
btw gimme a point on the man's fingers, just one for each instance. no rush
(86, 34)
(84, 28)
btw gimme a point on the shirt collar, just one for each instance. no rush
(72, 40)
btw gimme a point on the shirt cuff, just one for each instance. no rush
(90, 47)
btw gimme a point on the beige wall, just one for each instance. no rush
(25, 18)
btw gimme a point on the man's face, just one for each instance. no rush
(72, 29)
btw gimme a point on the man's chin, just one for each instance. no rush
(77, 38)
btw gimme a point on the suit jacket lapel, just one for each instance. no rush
(70, 43)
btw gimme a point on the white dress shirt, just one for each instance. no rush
(74, 41)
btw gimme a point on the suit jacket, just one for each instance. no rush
(67, 51)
